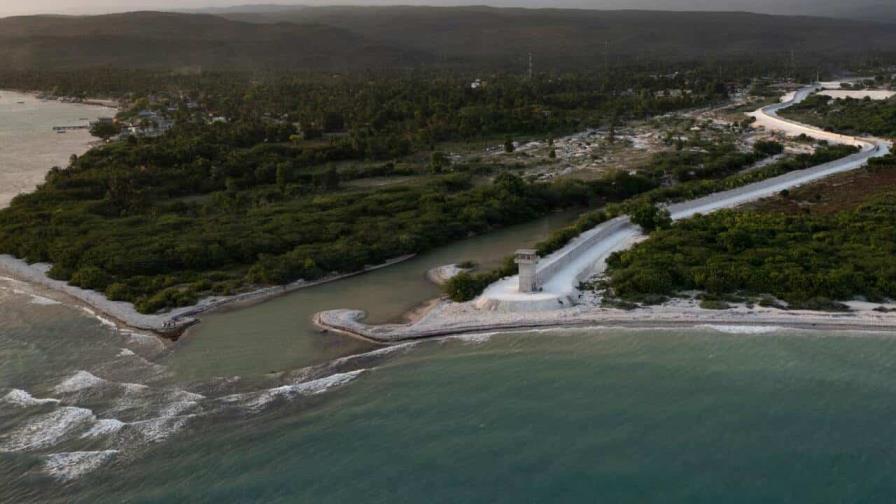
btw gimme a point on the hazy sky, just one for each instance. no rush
(14, 7)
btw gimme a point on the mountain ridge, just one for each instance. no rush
(353, 38)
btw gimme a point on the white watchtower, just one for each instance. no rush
(527, 260)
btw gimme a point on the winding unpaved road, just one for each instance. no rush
(561, 272)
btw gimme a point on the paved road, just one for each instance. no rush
(562, 271)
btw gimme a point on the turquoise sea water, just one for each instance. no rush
(601, 415)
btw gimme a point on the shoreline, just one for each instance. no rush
(173, 324)
(30, 145)
(422, 321)
(452, 319)
(170, 325)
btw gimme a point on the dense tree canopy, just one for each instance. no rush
(214, 206)
(795, 257)
(849, 115)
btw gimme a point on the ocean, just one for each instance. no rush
(559, 416)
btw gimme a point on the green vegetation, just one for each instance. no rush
(104, 130)
(805, 260)
(849, 115)
(151, 236)
(650, 218)
(714, 304)
(214, 207)
(640, 194)
(467, 285)
(696, 188)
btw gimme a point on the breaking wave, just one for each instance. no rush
(180, 401)
(83, 380)
(43, 301)
(743, 329)
(104, 427)
(258, 400)
(71, 465)
(474, 339)
(158, 429)
(380, 352)
(21, 398)
(46, 430)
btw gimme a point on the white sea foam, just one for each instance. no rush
(12, 281)
(43, 301)
(158, 429)
(102, 320)
(375, 353)
(19, 397)
(743, 329)
(104, 427)
(129, 359)
(477, 338)
(176, 408)
(106, 322)
(180, 401)
(257, 400)
(79, 381)
(47, 430)
(83, 380)
(143, 339)
(72, 465)
(322, 385)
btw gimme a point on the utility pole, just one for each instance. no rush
(792, 65)
(531, 67)
(606, 55)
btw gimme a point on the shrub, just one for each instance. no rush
(714, 304)
(650, 217)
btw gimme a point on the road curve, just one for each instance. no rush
(561, 272)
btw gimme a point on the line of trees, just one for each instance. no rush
(848, 115)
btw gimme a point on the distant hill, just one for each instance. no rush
(168, 40)
(585, 36)
(342, 38)
(870, 10)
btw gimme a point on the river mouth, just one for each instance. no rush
(279, 334)
(77, 394)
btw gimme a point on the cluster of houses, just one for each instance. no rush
(147, 123)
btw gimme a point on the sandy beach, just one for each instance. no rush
(29, 147)
(449, 318)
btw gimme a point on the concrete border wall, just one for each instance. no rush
(562, 258)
